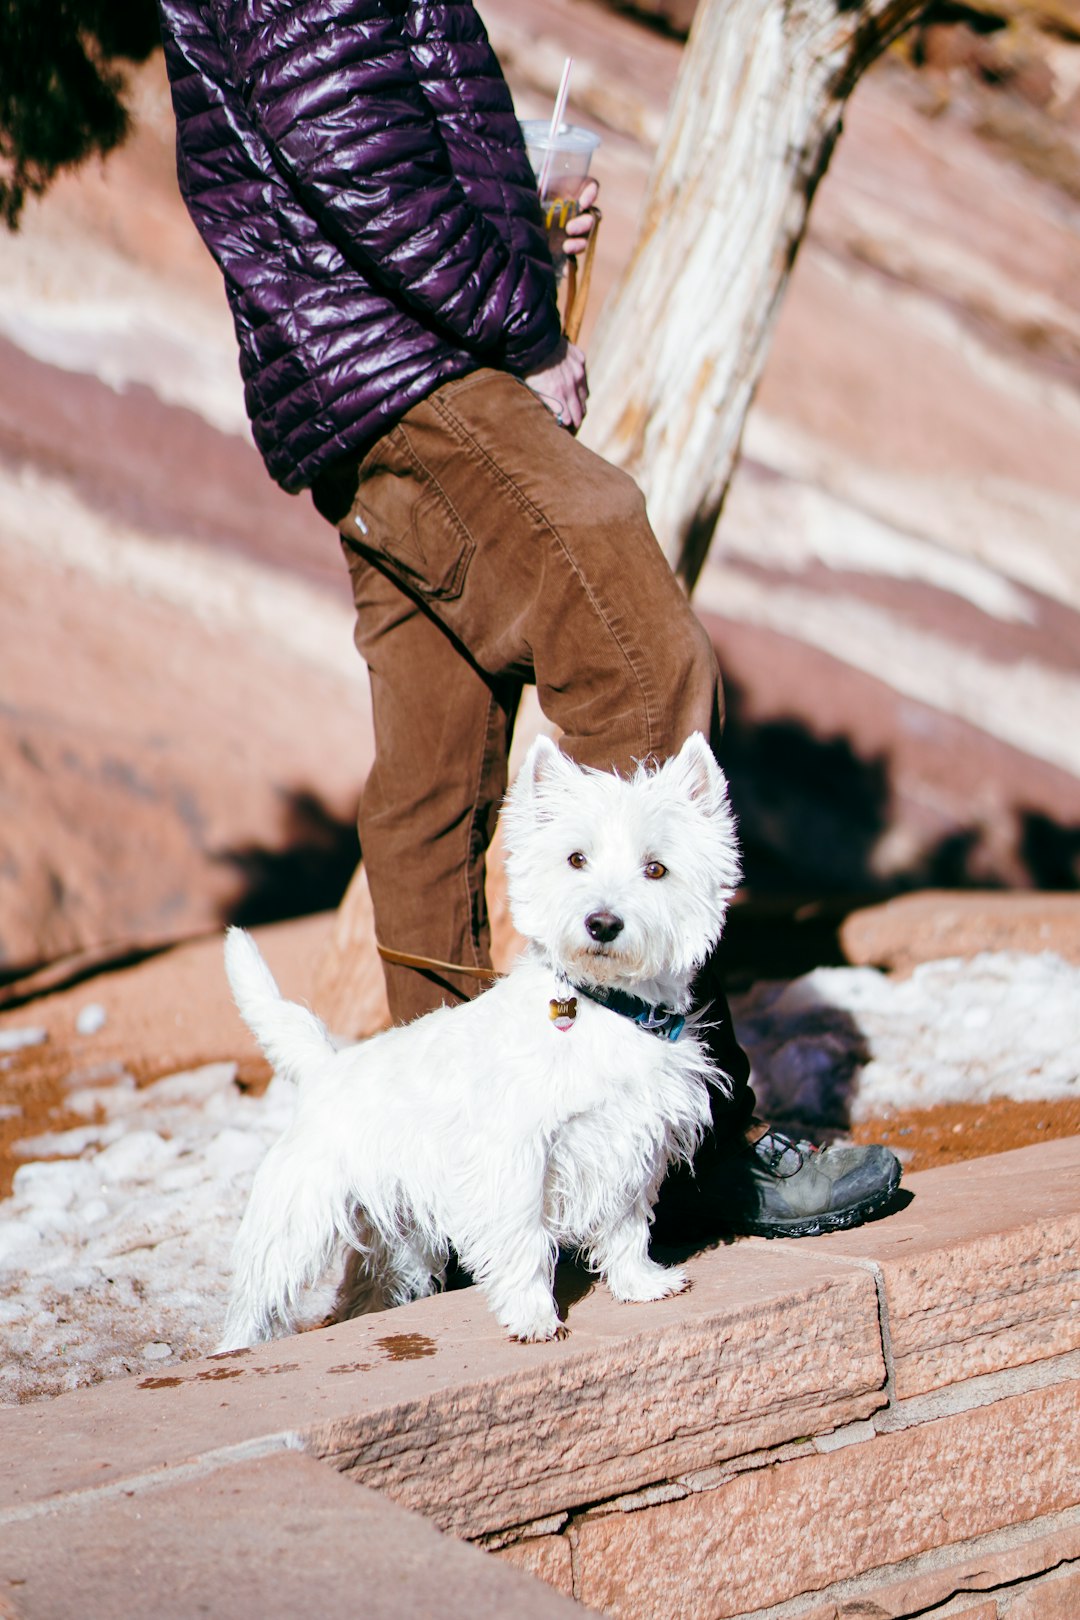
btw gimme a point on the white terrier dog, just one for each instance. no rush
(543, 1114)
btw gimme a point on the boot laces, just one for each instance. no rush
(774, 1147)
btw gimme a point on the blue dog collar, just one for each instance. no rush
(661, 1021)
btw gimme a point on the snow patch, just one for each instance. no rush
(114, 1250)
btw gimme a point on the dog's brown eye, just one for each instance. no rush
(655, 870)
(576, 860)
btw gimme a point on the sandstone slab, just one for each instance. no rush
(718, 1393)
(1004, 1563)
(697, 1383)
(980, 1271)
(925, 927)
(549, 1558)
(1055, 1597)
(273, 1538)
(432, 1405)
(715, 1556)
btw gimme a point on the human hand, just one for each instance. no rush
(562, 384)
(584, 221)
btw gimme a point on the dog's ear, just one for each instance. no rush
(543, 764)
(703, 780)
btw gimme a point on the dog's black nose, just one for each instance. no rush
(603, 926)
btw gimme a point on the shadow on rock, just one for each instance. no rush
(309, 872)
(815, 815)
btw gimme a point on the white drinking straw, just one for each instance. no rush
(556, 120)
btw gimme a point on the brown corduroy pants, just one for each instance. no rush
(489, 548)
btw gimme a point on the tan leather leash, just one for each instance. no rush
(433, 964)
(577, 285)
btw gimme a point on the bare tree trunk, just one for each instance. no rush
(681, 345)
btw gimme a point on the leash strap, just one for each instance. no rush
(432, 964)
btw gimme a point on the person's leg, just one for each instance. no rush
(537, 556)
(429, 806)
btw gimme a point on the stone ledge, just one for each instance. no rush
(982, 1271)
(721, 1555)
(660, 1445)
(1013, 1562)
(979, 1391)
(1009, 1563)
(717, 1378)
(278, 1537)
(432, 1404)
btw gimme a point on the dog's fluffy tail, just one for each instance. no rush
(292, 1037)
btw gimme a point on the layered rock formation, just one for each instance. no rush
(894, 587)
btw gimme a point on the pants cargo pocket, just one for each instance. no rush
(403, 518)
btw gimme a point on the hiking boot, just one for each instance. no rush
(776, 1187)
(784, 1188)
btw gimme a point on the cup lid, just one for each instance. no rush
(568, 138)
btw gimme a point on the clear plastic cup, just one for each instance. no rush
(571, 151)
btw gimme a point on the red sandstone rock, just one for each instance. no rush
(433, 1405)
(944, 1258)
(279, 1537)
(163, 768)
(714, 1556)
(614, 1414)
(547, 1557)
(947, 1327)
(1014, 1562)
(1055, 1597)
(664, 1422)
(930, 265)
(927, 927)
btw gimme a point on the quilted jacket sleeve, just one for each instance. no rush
(331, 89)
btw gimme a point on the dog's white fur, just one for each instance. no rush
(484, 1127)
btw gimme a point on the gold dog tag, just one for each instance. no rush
(563, 1013)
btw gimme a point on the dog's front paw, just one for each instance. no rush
(559, 1331)
(648, 1282)
(537, 1329)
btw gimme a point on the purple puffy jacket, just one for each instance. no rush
(356, 169)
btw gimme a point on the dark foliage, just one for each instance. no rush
(61, 89)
